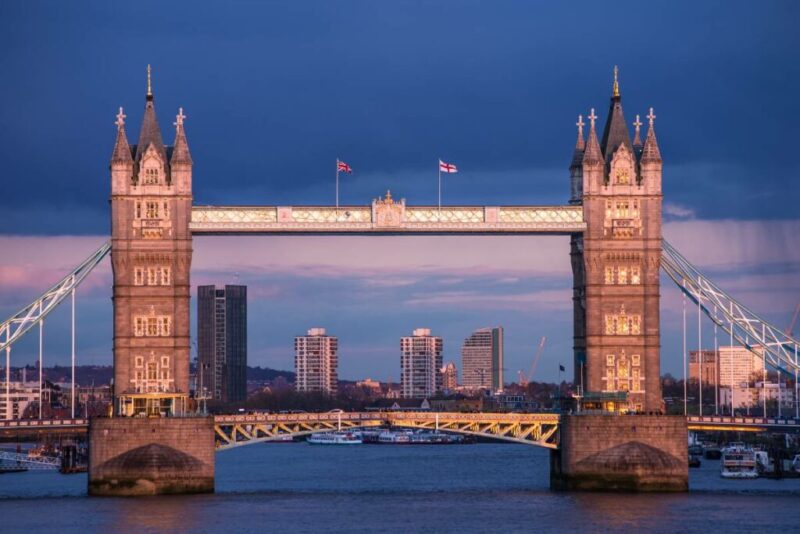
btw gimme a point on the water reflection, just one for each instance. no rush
(170, 513)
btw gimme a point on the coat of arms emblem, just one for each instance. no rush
(388, 213)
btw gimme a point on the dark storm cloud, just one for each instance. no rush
(276, 91)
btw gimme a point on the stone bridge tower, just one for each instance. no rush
(616, 264)
(151, 199)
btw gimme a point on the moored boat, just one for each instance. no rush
(335, 438)
(738, 462)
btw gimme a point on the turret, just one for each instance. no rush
(592, 160)
(650, 162)
(121, 159)
(576, 166)
(181, 160)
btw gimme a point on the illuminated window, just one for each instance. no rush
(635, 275)
(138, 276)
(635, 328)
(609, 278)
(139, 327)
(165, 361)
(150, 176)
(635, 360)
(166, 278)
(622, 323)
(151, 210)
(610, 360)
(623, 177)
(622, 368)
(151, 276)
(152, 326)
(152, 371)
(622, 275)
(139, 361)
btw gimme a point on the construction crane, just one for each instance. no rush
(524, 379)
(790, 328)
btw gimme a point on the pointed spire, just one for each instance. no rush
(580, 144)
(122, 150)
(149, 84)
(592, 152)
(650, 152)
(150, 133)
(180, 152)
(637, 124)
(616, 132)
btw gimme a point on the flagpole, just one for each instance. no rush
(440, 185)
(337, 185)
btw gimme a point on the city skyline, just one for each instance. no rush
(517, 135)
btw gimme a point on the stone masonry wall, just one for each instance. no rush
(621, 453)
(150, 456)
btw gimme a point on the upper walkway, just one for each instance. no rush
(386, 216)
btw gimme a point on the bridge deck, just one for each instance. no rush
(391, 218)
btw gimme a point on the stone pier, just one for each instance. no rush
(621, 453)
(151, 456)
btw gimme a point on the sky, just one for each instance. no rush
(274, 92)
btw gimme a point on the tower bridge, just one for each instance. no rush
(613, 219)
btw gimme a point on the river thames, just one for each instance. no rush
(467, 488)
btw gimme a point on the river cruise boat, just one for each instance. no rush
(420, 437)
(335, 438)
(738, 462)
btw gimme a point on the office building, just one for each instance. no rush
(316, 362)
(222, 343)
(420, 364)
(482, 359)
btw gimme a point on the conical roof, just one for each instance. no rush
(592, 153)
(122, 150)
(650, 152)
(150, 133)
(616, 131)
(580, 145)
(180, 151)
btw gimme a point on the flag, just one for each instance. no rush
(341, 166)
(561, 367)
(447, 167)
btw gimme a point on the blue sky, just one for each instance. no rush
(275, 91)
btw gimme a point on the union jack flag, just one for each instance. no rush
(447, 167)
(341, 166)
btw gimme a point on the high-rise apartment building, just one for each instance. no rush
(420, 364)
(316, 362)
(482, 359)
(449, 377)
(222, 342)
(703, 363)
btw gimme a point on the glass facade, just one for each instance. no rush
(222, 342)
